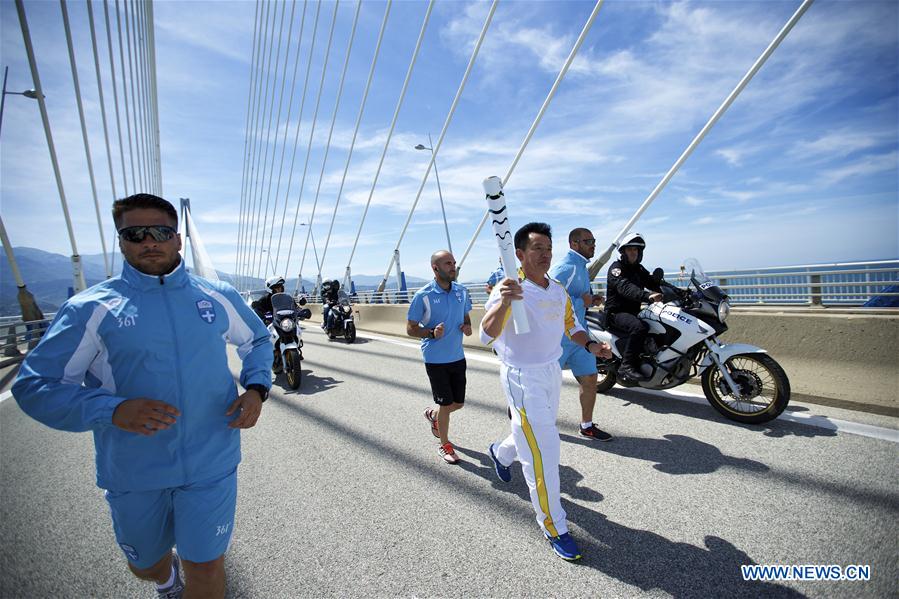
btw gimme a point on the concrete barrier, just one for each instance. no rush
(849, 356)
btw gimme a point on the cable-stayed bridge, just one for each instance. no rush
(342, 492)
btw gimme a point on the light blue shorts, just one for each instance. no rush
(579, 360)
(198, 518)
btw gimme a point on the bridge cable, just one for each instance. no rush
(258, 118)
(96, 54)
(141, 61)
(78, 274)
(250, 88)
(312, 135)
(297, 136)
(118, 18)
(293, 87)
(321, 175)
(262, 216)
(396, 113)
(134, 100)
(539, 117)
(141, 33)
(436, 150)
(141, 100)
(265, 263)
(346, 168)
(597, 264)
(259, 165)
(115, 97)
(87, 148)
(154, 92)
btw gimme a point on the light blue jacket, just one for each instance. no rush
(571, 272)
(159, 337)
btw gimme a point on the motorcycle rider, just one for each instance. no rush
(627, 282)
(329, 300)
(263, 305)
(263, 308)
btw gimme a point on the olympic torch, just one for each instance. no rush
(496, 205)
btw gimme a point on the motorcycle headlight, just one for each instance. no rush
(287, 325)
(723, 311)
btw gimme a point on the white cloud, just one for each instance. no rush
(867, 165)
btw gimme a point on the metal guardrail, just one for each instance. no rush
(17, 336)
(838, 284)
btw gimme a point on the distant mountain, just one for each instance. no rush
(48, 277)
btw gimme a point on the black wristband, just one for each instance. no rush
(589, 343)
(260, 389)
(431, 334)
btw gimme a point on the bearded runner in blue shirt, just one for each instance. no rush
(438, 315)
(140, 361)
(571, 271)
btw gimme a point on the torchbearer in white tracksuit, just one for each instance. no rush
(532, 379)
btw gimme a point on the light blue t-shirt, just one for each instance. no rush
(571, 272)
(430, 306)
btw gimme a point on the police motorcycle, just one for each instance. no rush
(343, 323)
(742, 382)
(284, 327)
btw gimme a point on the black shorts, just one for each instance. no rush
(447, 382)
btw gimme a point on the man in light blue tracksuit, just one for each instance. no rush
(140, 360)
(571, 272)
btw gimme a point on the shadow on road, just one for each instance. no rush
(311, 384)
(674, 454)
(636, 557)
(639, 557)
(662, 405)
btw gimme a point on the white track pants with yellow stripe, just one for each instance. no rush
(533, 396)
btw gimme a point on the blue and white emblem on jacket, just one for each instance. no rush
(206, 310)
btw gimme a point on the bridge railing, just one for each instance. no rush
(17, 336)
(838, 284)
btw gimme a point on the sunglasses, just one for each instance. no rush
(588, 241)
(138, 234)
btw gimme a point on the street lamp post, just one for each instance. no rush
(30, 310)
(28, 93)
(439, 191)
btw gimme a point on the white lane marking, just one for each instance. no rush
(5, 395)
(834, 424)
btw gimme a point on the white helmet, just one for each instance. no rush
(633, 240)
(273, 281)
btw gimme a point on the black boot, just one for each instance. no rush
(631, 372)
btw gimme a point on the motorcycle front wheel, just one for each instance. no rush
(349, 332)
(764, 388)
(606, 375)
(294, 369)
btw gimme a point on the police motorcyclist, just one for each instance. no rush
(627, 283)
(263, 306)
(329, 300)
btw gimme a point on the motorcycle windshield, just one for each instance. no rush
(343, 298)
(281, 302)
(703, 282)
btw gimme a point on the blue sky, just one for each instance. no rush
(801, 169)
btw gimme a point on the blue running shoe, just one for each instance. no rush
(564, 546)
(503, 472)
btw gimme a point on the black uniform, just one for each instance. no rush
(627, 284)
(263, 306)
(329, 298)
